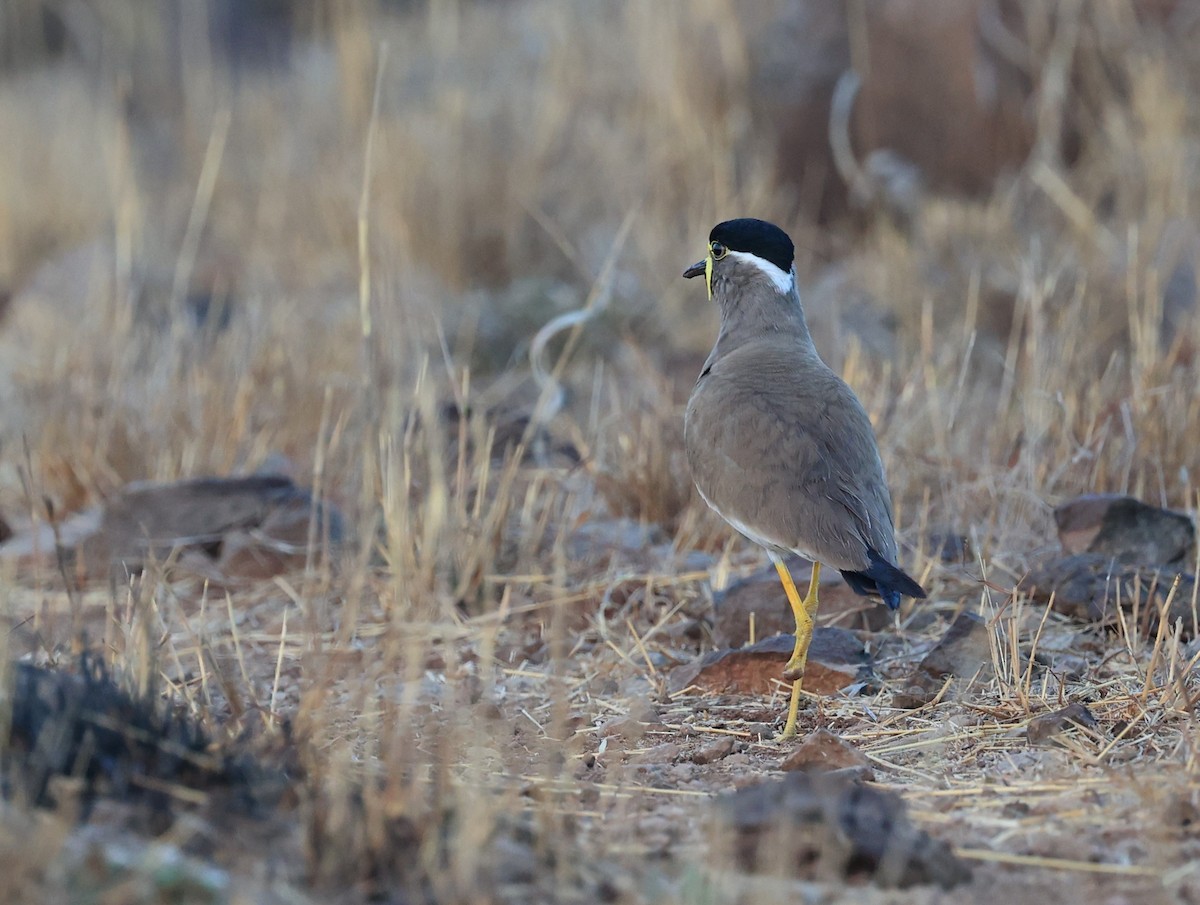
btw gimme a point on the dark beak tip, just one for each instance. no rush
(695, 270)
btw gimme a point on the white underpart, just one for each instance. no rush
(771, 546)
(783, 281)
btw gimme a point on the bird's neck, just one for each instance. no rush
(770, 314)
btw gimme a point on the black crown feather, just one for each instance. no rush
(757, 237)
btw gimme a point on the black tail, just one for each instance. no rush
(882, 579)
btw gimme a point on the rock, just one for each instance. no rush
(1043, 728)
(1182, 814)
(632, 727)
(762, 594)
(263, 518)
(1126, 529)
(822, 751)
(501, 429)
(741, 760)
(713, 752)
(835, 659)
(1087, 586)
(963, 653)
(811, 827)
(514, 858)
(914, 695)
(666, 753)
(222, 529)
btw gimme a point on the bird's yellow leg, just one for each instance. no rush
(804, 611)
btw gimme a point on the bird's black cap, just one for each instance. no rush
(758, 237)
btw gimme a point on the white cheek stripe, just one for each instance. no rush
(783, 281)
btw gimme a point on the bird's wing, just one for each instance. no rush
(782, 446)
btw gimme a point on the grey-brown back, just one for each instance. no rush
(778, 444)
(783, 449)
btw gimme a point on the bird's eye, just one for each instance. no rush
(717, 250)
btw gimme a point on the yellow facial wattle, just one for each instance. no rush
(708, 266)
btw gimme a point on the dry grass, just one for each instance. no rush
(444, 681)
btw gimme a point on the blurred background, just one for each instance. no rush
(213, 214)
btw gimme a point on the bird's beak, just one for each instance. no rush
(695, 270)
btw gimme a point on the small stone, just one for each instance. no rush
(660, 754)
(1043, 728)
(714, 751)
(822, 751)
(741, 759)
(514, 857)
(964, 654)
(964, 651)
(622, 727)
(915, 695)
(631, 727)
(1182, 814)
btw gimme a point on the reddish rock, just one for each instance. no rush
(964, 651)
(713, 752)
(821, 752)
(835, 659)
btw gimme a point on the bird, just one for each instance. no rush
(778, 444)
